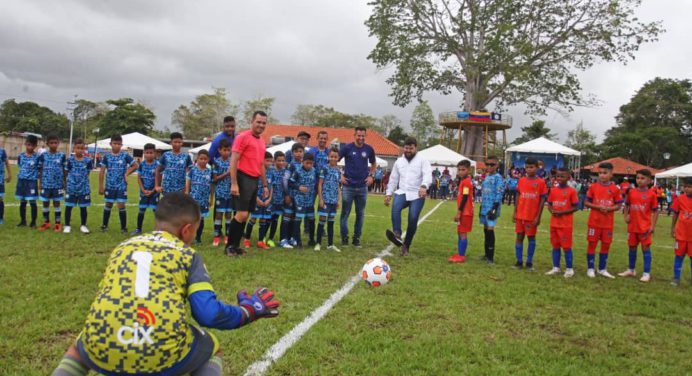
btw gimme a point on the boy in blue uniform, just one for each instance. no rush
(263, 209)
(5, 177)
(198, 185)
(116, 166)
(297, 152)
(222, 190)
(173, 167)
(139, 322)
(146, 177)
(302, 182)
(78, 191)
(27, 181)
(276, 174)
(321, 154)
(492, 190)
(329, 194)
(51, 172)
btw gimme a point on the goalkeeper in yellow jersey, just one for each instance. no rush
(137, 323)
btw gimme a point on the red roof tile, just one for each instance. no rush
(382, 146)
(621, 166)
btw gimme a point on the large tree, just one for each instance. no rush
(323, 116)
(582, 140)
(203, 117)
(656, 121)
(423, 122)
(507, 51)
(388, 122)
(259, 103)
(126, 116)
(88, 116)
(533, 131)
(397, 136)
(32, 117)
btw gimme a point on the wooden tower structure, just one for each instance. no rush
(454, 123)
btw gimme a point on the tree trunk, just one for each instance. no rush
(472, 143)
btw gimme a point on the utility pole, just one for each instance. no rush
(74, 120)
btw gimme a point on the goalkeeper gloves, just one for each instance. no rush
(261, 304)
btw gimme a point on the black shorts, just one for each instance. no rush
(247, 189)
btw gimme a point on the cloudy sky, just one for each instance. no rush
(165, 53)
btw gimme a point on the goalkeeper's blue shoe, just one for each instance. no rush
(136, 232)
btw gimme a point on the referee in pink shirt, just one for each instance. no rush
(247, 165)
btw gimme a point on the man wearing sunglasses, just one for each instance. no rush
(493, 189)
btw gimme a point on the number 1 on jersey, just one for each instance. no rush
(143, 260)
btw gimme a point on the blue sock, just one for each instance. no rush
(461, 246)
(519, 251)
(531, 251)
(590, 258)
(647, 260)
(677, 267)
(556, 257)
(568, 258)
(602, 261)
(633, 257)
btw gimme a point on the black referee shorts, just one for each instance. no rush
(247, 189)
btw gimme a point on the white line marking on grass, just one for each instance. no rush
(277, 350)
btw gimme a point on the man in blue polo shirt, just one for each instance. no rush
(228, 134)
(355, 180)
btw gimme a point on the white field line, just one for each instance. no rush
(274, 353)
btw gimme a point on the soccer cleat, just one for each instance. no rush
(45, 226)
(394, 238)
(457, 258)
(344, 242)
(590, 273)
(198, 241)
(58, 227)
(529, 266)
(2, 221)
(356, 243)
(404, 251)
(136, 232)
(67, 229)
(21, 224)
(645, 278)
(553, 271)
(605, 273)
(628, 273)
(285, 244)
(262, 245)
(675, 282)
(271, 243)
(32, 225)
(569, 273)
(84, 229)
(104, 228)
(231, 252)
(317, 248)
(217, 241)
(333, 248)
(246, 243)
(518, 265)
(123, 231)
(293, 242)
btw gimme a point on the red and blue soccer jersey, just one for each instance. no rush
(602, 195)
(531, 190)
(562, 199)
(466, 221)
(683, 228)
(641, 204)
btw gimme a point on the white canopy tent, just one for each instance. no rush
(676, 173)
(193, 152)
(550, 152)
(134, 141)
(440, 155)
(380, 162)
(285, 147)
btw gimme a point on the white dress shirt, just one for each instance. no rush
(408, 177)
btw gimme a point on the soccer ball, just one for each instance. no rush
(376, 272)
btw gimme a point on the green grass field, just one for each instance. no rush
(432, 318)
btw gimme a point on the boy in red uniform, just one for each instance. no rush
(640, 204)
(464, 216)
(681, 229)
(562, 203)
(604, 199)
(531, 195)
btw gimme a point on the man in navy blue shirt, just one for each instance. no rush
(355, 180)
(228, 134)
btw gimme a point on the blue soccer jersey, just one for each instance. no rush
(200, 185)
(3, 159)
(174, 167)
(147, 172)
(116, 167)
(222, 189)
(303, 177)
(28, 166)
(277, 186)
(78, 175)
(331, 178)
(493, 188)
(52, 166)
(321, 157)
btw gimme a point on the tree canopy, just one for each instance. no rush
(203, 117)
(126, 116)
(533, 131)
(506, 51)
(582, 140)
(423, 122)
(32, 117)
